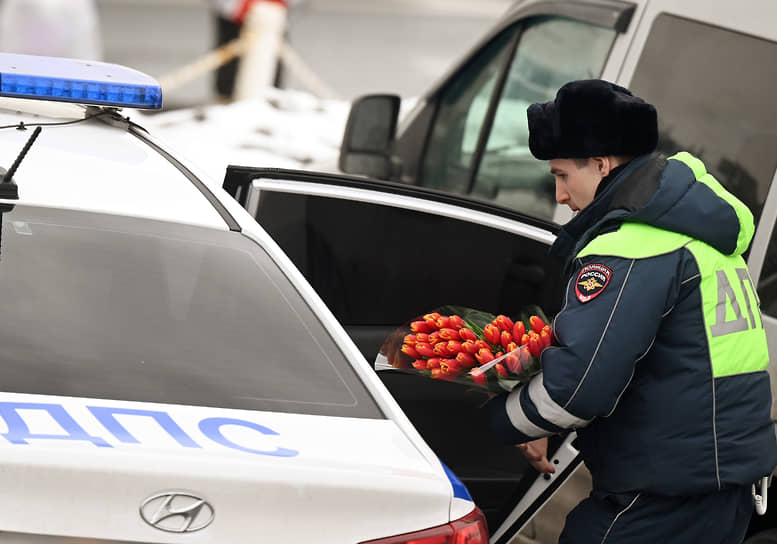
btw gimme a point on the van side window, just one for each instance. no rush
(723, 111)
(550, 51)
(462, 110)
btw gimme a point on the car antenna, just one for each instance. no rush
(9, 189)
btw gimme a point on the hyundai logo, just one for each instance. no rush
(177, 512)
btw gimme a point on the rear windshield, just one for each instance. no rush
(121, 308)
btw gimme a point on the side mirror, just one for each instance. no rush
(369, 135)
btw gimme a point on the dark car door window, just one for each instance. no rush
(378, 266)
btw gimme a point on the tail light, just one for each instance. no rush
(471, 529)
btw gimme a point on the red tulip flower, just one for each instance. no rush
(433, 362)
(449, 334)
(524, 356)
(545, 337)
(424, 349)
(519, 329)
(513, 362)
(456, 322)
(505, 339)
(504, 323)
(482, 344)
(535, 345)
(550, 333)
(432, 317)
(484, 356)
(441, 349)
(421, 326)
(467, 334)
(478, 376)
(443, 322)
(410, 351)
(470, 347)
(454, 347)
(492, 333)
(536, 323)
(450, 366)
(466, 360)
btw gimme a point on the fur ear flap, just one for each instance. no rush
(542, 139)
(591, 118)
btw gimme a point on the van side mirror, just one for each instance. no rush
(369, 135)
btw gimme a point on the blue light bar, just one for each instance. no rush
(81, 81)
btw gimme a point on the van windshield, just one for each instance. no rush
(112, 307)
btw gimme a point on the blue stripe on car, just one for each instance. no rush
(459, 489)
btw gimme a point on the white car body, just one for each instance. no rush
(80, 468)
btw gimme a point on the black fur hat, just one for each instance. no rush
(591, 118)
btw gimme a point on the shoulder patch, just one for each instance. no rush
(591, 280)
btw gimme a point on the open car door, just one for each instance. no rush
(380, 253)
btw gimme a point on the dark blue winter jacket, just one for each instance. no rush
(661, 360)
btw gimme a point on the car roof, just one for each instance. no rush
(90, 158)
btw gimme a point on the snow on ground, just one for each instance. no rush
(282, 128)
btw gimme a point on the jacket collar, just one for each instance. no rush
(577, 232)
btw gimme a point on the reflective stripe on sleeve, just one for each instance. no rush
(550, 409)
(518, 418)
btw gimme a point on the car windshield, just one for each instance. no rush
(103, 306)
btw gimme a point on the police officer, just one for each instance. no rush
(661, 357)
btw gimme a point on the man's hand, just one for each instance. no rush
(536, 452)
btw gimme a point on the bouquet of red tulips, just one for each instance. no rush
(469, 346)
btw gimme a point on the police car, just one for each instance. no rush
(168, 375)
